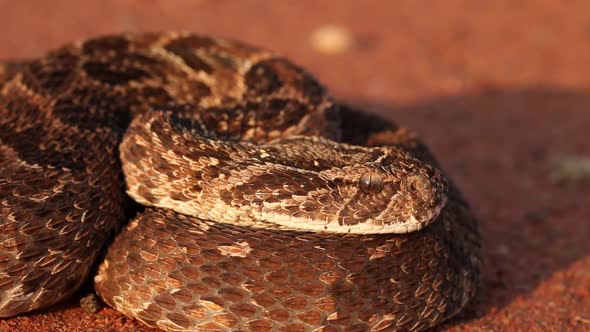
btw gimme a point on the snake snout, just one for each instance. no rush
(418, 183)
(431, 190)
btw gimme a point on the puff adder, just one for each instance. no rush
(266, 205)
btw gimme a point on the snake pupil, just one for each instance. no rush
(371, 182)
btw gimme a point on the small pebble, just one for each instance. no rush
(90, 303)
(570, 169)
(503, 250)
(332, 39)
(582, 320)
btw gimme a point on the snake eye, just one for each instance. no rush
(371, 182)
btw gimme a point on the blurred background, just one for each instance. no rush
(500, 90)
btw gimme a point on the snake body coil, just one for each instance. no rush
(270, 207)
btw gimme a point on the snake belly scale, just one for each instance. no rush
(266, 206)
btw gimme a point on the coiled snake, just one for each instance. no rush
(269, 206)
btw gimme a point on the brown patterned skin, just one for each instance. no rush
(62, 118)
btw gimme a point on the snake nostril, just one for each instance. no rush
(418, 183)
(371, 182)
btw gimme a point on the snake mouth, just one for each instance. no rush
(399, 225)
(370, 226)
(415, 223)
(431, 215)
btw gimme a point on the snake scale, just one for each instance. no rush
(264, 204)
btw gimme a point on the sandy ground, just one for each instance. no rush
(500, 91)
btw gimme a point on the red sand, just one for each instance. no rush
(497, 89)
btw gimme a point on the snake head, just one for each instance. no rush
(316, 185)
(374, 191)
(395, 195)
